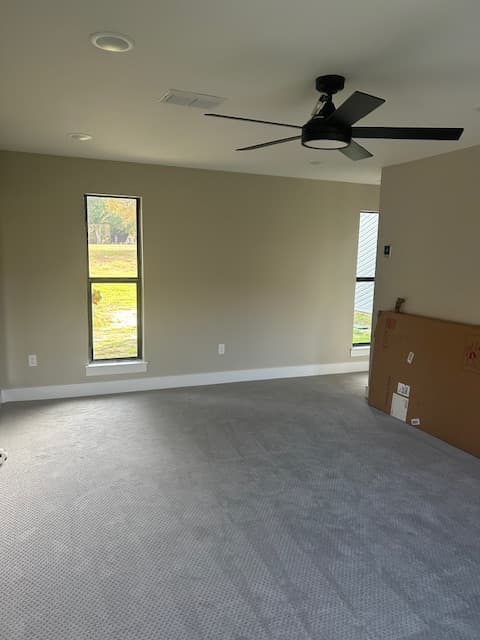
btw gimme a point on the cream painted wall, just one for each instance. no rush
(3, 371)
(264, 264)
(430, 213)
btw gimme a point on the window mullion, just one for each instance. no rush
(113, 279)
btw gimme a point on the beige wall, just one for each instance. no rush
(430, 213)
(264, 264)
(3, 371)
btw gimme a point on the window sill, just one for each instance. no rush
(358, 352)
(115, 368)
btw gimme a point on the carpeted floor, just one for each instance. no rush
(282, 510)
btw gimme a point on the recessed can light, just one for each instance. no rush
(80, 137)
(113, 42)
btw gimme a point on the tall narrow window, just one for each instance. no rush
(365, 284)
(114, 277)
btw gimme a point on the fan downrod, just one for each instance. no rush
(329, 84)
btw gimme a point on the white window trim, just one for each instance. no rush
(358, 352)
(115, 368)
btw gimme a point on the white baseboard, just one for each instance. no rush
(171, 382)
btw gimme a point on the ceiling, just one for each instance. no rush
(262, 55)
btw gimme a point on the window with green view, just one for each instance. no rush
(114, 277)
(365, 281)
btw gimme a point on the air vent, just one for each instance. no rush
(189, 99)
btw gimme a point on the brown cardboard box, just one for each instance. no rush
(427, 373)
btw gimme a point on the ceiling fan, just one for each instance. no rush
(331, 128)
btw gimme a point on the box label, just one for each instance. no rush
(390, 327)
(403, 389)
(471, 356)
(399, 407)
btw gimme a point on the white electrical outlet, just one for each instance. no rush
(221, 349)
(32, 360)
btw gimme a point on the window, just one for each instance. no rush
(114, 277)
(365, 284)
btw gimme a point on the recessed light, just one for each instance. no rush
(113, 42)
(80, 137)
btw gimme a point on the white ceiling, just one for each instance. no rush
(263, 55)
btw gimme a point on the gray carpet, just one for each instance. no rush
(283, 510)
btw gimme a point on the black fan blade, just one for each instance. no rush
(355, 151)
(269, 144)
(407, 133)
(357, 106)
(277, 124)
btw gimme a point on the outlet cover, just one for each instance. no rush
(32, 360)
(221, 349)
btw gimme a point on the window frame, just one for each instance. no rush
(138, 280)
(364, 278)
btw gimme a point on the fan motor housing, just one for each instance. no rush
(329, 84)
(318, 134)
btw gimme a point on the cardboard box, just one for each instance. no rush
(426, 372)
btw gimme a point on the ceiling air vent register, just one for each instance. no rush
(190, 99)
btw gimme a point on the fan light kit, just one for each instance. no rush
(80, 137)
(112, 42)
(330, 128)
